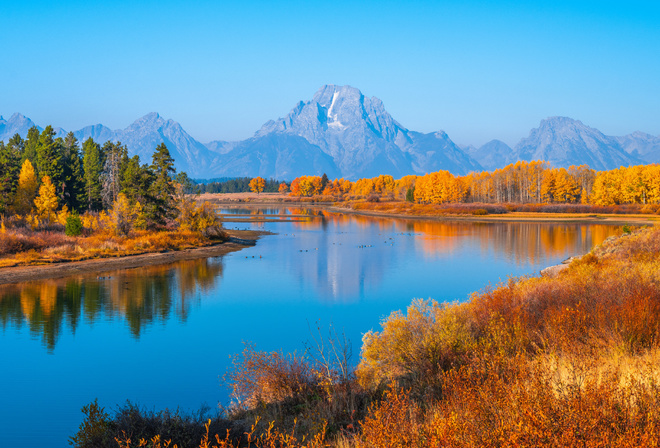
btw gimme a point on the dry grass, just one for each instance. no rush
(26, 247)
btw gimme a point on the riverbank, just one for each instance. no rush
(407, 211)
(238, 239)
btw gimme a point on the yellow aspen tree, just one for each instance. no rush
(257, 185)
(27, 188)
(46, 202)
(122, 215)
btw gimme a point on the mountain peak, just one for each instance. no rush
(559, 122)
(563, 141)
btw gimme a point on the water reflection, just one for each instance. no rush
(140, 296)
(340, 254)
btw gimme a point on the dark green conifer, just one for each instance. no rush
(49, 158)
(31, 145)
(162, 189)
(73, 187)
(92, 167)
(9, 169)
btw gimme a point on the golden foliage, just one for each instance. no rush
(257, 185)
(46, 202)
(27, 188)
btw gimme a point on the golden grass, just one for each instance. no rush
(56, 248)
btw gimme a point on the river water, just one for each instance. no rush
(162, 336)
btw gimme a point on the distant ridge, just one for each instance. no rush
(343, 133)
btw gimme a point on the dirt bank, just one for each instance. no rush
(238, 241)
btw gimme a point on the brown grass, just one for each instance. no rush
(26, 248)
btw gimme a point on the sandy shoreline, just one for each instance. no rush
(65, 269)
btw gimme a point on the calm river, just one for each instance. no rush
(162, 336)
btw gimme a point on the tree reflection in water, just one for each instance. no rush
(142, 296)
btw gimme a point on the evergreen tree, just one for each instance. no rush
(9, 169)
(31, 145)
(136, 182)
(17, 145)
(49, 158)
(162, 189)
(73, 187)
(92, 167)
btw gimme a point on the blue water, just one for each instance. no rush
(162, 336)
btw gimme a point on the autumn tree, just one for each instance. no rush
(283, 188)
(257, 185)
(46, 202)
(27, 188)
(122, 215)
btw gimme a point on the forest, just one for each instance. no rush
(93, 200)
(533, 182)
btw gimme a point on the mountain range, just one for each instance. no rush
(343, 133)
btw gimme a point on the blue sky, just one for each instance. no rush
(476, 69)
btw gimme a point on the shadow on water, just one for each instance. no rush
(141, 296)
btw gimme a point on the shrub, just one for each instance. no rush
(74, 225)
(480, 212)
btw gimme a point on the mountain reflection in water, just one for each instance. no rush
(336, 255)
(140, 296)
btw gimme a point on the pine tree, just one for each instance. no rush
(31, 145)
(27, 188)
(92, 167)
(162, 189)
(49, 158)
(9, 170)
(73, 186)
(136, 182)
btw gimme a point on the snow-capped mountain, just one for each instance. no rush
(342, 133)
(641, 145)
(364, 140)
(563, 142)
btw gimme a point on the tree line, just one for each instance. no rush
(522, 182)
(234, 185)
(50, 173)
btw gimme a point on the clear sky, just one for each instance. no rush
(477, 69)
